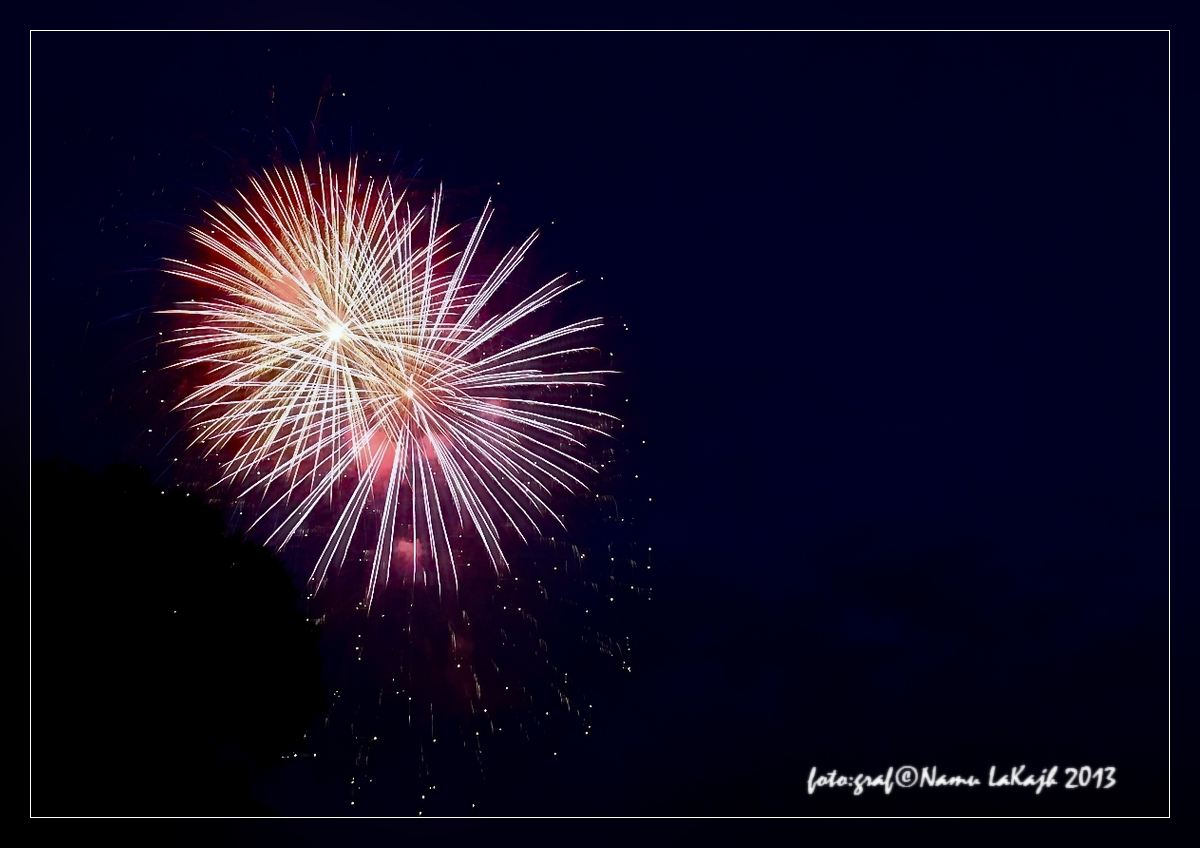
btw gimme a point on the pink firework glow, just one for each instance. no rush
(351, 353)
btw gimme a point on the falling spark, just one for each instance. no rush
(341, 337)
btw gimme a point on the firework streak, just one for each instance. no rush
(347, 345)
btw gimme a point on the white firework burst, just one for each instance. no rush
(346, 345)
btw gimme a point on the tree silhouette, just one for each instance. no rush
(170, 663)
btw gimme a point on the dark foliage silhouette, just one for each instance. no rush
(170, 663)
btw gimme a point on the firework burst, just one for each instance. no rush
(347, 345)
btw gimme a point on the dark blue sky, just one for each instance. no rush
(898, 346)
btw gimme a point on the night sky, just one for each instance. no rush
(897, 348)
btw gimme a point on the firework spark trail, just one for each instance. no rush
(342, 336)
